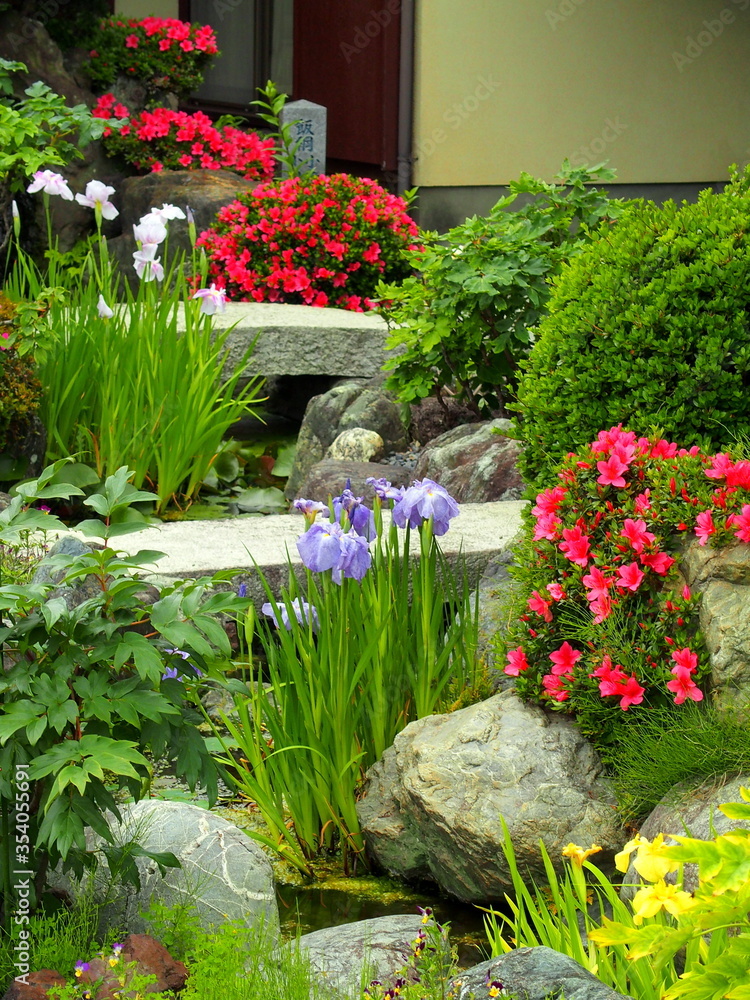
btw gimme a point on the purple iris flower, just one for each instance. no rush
(355, 557)
(242, 590)
(423, 500)
(328, 546)
(384, 490)
(303, 612)
(358, 514)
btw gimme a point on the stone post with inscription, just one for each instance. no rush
(307, 131)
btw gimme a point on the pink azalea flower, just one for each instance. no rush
(547, 526)
(739, 475)
(609, 677)
(537, 603)
(721, 464)
(743, 522)
(659, 562)
(631, 576)
(50, 183)
(575, 546)
(549, 501)
(555, 591)
(642, 502)
(704, 526)
(631, 693)
(685, 659)
(517, 662)
(637, 534)
(564, 659)
(597, 584)
(606, 440)
(601, 609)
(554, 687)
(683, 686)
(610, 471)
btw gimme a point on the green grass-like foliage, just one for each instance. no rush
(385, 653)
(668, 746)
(647, 326)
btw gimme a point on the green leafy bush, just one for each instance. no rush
(647, 326)
(464, 317)
(85, 693)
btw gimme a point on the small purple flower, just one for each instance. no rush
(117, 948)
(81, 967)
(242, 590)
(173, 673)
(423, 500)
(384, 490)
(360, 517)
(303, 612)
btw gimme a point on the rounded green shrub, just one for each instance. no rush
(648, 326)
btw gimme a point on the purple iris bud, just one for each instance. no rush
(320, 546)
(384, 490)
(355, 558)
(423, 500)
(359, 516)
(170, 674)
(242, 590)
(303, 612)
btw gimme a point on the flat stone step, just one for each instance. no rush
(480, 533)
(304, 340)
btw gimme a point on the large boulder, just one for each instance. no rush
(355, 403)
(476, 463)
(533, 974)
(205, 191)
(379, 948)
(690, 810)
(329, 477)
(723, 578)
(223, 871)
(142, 955)
(433, 804)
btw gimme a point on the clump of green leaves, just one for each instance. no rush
(88, 691)
(463, 320)
(708, 933)
(647, 326)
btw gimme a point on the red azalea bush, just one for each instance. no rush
(607, 620)
(173, 140)
(320, 241)
(161, 52)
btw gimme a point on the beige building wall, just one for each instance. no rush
(659, 88)
(146, 8)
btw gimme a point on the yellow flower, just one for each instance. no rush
(578, 854)
(650, 861)
(651, 898)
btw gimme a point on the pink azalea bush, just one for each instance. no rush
(322, 241)
(160, 52)
(161, 139)
(607, 622)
